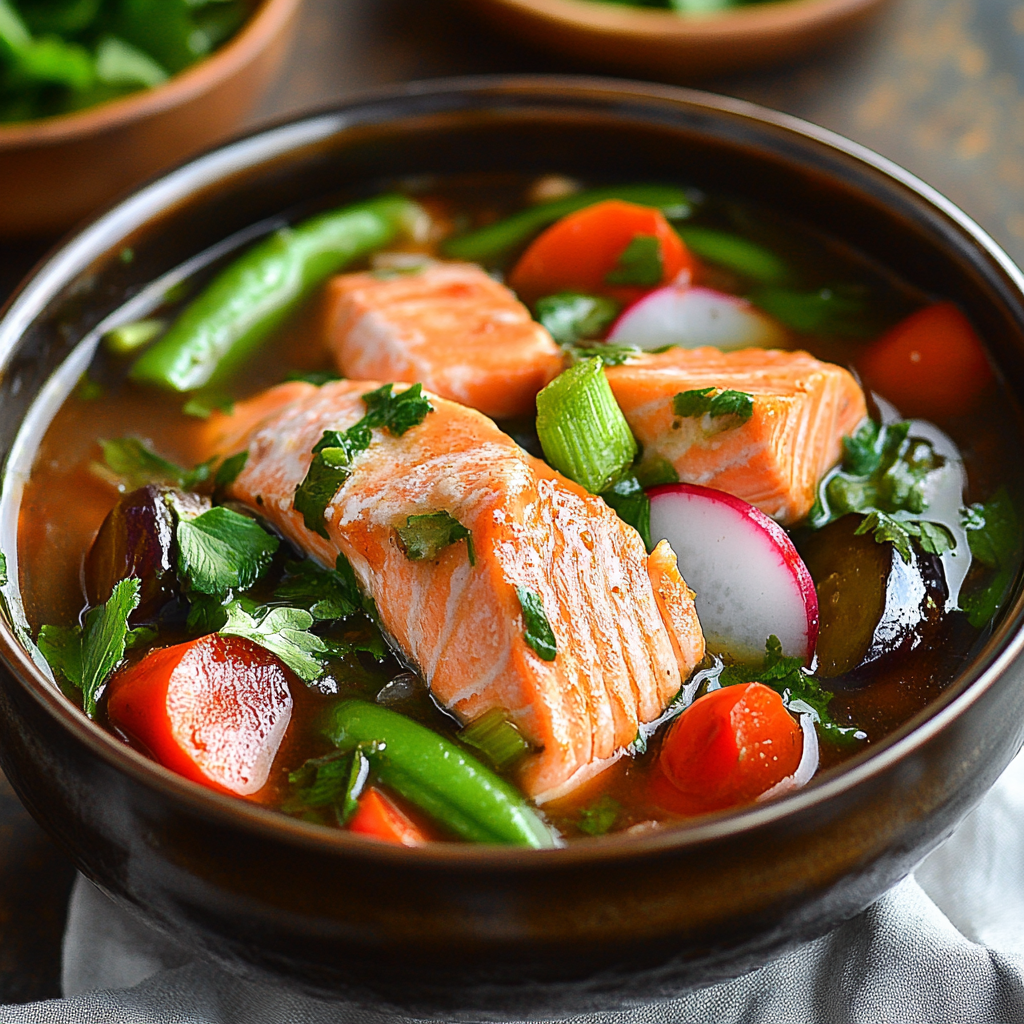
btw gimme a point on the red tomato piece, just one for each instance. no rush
(380, 818)
(214, 710)
(728, 748)
(930, 365)
(581, 250)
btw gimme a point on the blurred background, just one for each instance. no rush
(935, 85)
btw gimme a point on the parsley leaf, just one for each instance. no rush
(572, 316)
(206, 614)
(228, 470)
(630, 501)
(898, 531)
(537, 630)
(221, 550)
(716, 404)
(325, 593)
(800, 691)
(129, 459)
(333, 453)
(86, 655)
(640, 263)
(282, 631)
(993, 533)
(599, 817)
(883, 469)
(425, 536)
(3, 569)
(610, 355)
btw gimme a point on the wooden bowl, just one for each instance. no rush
(677, 47)
(57, 170)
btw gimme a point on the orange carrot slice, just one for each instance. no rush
(379, 818)
(589, 251)
(214, 710)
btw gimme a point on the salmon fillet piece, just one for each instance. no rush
(802, 410)
(451, 327)
(623, 647)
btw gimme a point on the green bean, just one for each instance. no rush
(437, 776)
(235, 313)
(493, 240)
(735, 253)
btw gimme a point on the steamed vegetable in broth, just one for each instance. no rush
(518, 512)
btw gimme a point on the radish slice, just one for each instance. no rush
(750, 581)
(805, 769)
(692, 317)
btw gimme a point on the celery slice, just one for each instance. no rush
(581, 427)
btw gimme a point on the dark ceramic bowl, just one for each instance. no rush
(492, 932)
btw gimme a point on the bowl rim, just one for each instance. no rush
(266, 21)
(76, 253)
(658, 26)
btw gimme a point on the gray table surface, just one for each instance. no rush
(936, 85)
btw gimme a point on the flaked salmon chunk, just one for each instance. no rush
(802, 409)
(450, 327)
(623, 647)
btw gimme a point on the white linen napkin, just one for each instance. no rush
(943, 947)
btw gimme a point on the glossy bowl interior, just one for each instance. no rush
(678, 47)
(486, 932)
(55, 171)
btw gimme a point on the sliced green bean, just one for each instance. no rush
(735, 253)
(236, 312)
(495, 239)
(438, 776)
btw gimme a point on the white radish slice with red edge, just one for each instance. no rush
(692, 318)
(749, 580)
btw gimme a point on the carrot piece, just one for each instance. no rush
(727, 748)
(580, 251)
(214, 710)
(379, 818)
(932, 364)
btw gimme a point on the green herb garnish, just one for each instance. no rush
(333, 453)
(221, 550)
(572, 316)
(129, 459)
(599, 817)
(202, 407)
(800, 691)
(282, 631)
(640, 263)
(228, 470)
(3, 570)
(899, 531)
(425, 536)
(496, 738)
(835, 312)
(325, 593)
(715, 403)
(536, 628)
(316, 377)
(993, 533)
(335, 780)
(610, 355)
(85, 656)
(630, 501)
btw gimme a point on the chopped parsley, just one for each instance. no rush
(3, 570)
(136, 465)
(900, 531)
(993, 533)
(610, 355)
(640, 263)
(426, 536)
(333, 453)
(571, 317)
(599, 817)
(715, 403)
(228, 470)
(536, 628)
(221, 551)
(85, 656)
(326, 594)
(282, 631)
(628, 498)
(800, 691)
